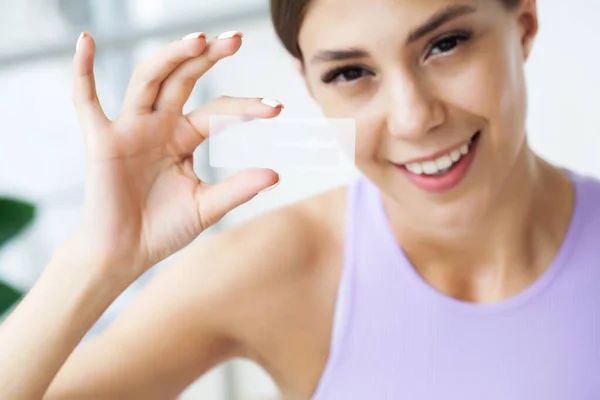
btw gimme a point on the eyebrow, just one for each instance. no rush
(434, 22)
(438, 19)
(338, 55)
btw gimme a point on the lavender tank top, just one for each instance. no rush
(396, 337)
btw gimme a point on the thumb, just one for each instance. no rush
(214, 201)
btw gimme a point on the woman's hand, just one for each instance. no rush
(143, 201)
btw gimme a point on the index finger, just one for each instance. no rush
(234, 106)
(149, 76)
(85, 97)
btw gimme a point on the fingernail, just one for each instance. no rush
(195, 35)
(272, 103)
(230, 34)
(273, 186)
(81, 36)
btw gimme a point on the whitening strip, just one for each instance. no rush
(280, 144)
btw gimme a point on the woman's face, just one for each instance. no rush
(437, 90)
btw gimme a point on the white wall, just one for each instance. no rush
(564, 85)
(41, 155)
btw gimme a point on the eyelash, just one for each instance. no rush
(334, 74)
(456, 38)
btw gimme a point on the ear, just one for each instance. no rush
(299, 66)
(529, 23)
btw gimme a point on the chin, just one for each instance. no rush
(464, 207)
(463, 213)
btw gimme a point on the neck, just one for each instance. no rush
(504, 251)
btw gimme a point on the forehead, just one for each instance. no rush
(362, 23)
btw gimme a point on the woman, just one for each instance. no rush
(462, 266)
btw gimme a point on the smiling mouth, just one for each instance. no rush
(442, 164)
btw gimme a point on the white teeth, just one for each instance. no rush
(441, 165)
(429, 167)
(443, 162)
(415, 168)
(455, 155)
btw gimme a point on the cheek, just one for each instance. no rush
(507, 86)
(490, 86)
(369, 138)
(369, 123)
(475, 89)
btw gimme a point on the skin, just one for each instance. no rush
(263, 291)
(412, 102)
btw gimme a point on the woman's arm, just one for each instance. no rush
(37, 338)
(143, 202)
(194, 313)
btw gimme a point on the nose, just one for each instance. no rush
(413, 110)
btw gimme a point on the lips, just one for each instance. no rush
(441, 162)
(443, 170)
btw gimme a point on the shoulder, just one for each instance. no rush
(587, 192)
(251, 291)
(239, 278)
(288, 238)
(590, 184)
(584, 226)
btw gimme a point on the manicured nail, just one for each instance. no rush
(230, 34)
(273, 186)
(81, 36)
(195, 35)
(272, 103)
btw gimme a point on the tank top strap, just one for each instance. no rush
(362, 205)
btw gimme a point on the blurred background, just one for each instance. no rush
(41, 150)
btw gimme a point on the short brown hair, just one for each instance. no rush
(287, 17)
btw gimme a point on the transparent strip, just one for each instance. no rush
(310, 144)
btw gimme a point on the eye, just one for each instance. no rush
(345, 74)
(448, 43)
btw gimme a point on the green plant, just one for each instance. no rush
(15, 216)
